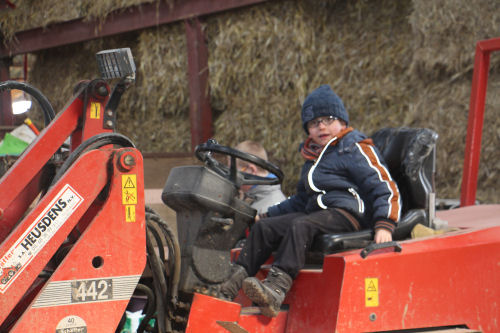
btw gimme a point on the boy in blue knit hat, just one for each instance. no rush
(344, 187)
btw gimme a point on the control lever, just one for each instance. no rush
(374, 246)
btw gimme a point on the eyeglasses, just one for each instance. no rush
(324, 120)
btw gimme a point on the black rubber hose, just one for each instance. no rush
(174, 244)
(153, 220)
(150, 306)
(156, 265)
(48, 110)
(94, 142)
(158, 281)
(159, 241)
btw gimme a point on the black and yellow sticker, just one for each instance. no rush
(371, 292)
(95, 110)
(129, 196)
(129, 189)
(129, 213)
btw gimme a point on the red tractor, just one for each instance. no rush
(86, 248)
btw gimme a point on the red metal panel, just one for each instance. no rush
(199, 105)
(438, 281)
(447, 280)
(263, 324)
(97, 292)
(206, 310)
(209, 314)
(476, 118)
(134, 18)
(33, 261)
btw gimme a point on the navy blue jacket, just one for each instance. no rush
(349, 174)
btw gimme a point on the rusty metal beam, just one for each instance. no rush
(136, 18)
(6, 116)
(200, 113)
(131, 19)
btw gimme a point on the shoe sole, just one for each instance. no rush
(254, 290)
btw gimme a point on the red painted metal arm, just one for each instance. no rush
(35, 240)
(24, 171)
(96, 279)
(476, 119)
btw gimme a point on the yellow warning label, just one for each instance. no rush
(129, 190)
(95, 110)
(130, 213)
(371, 292)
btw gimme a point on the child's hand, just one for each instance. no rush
(382, 236)
(260, 216)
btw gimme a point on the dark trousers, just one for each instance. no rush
(290, 235)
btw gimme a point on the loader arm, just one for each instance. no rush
(21, 184)
(72, 223)
(94, 282)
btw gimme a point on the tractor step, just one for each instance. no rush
(209, 314)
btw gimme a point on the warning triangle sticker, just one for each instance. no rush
(371, 286)
(129, 183)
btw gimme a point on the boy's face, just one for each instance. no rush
(323, 129)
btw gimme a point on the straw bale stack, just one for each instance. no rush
(154, 111)
(56, 71)
(445, 33)
(261, 75)
(394, 63)
(31, 14)
(159, 104)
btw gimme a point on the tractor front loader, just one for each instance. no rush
(72, 215)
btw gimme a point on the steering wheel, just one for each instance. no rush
(204, 153)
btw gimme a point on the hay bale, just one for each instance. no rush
(55, 72)
(42, 13)
(390, 61)
(159, 104)
(260, 76)
(445, 35)
(154, 111)
(446, 31)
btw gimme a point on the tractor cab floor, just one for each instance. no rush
(472, 217)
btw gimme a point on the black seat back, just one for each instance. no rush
(410, 156)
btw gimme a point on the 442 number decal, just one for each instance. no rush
(91, 290)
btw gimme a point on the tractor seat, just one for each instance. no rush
(410, 154)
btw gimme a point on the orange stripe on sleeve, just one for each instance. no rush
(394, 200)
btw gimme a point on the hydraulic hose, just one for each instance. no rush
(94, 142)
(48, 110)
(165, 278)
(159, 283)
(174, 247)
(150, 306)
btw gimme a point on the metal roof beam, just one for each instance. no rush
(130, 19)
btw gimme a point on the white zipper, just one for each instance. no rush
(361, 204)
(310, 180)
(309, 175)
